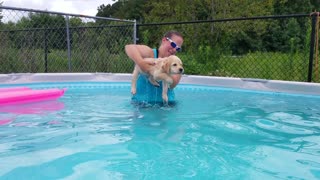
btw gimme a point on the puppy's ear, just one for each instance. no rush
(166, 66)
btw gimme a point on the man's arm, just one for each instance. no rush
(137, 53)
(176, 79)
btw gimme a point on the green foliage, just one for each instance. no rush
(132, 9)
(21, 60)
(247, 36)
(307, 41)
(76, 22)
(296, 7)
(252, 65)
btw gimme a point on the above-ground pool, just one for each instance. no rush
(219, 128)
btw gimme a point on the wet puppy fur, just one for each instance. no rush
(161, 71)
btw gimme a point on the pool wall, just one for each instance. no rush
(242, 83)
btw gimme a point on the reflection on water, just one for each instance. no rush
(33, 108)
(9, 113)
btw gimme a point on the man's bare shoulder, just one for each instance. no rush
(144, 50)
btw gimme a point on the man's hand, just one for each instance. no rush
(150, 61)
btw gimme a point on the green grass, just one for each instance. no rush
(277, 66)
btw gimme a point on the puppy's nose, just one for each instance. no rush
(181, 70)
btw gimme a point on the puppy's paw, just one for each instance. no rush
(165, 98)
(133, 91)
(154, 82)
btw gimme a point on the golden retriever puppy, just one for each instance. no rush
(161, 71)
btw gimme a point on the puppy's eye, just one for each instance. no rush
(174, 64)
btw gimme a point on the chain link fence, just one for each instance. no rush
(42, 41)
(274, 47)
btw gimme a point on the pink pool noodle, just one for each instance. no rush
(22, 96)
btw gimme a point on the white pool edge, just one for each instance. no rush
(242, 83)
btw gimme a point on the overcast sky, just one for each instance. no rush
(84, 7)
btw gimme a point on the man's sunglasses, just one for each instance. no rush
(173, 44)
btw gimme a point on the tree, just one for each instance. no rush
(239, 36)
(40, 27)
(125, 9)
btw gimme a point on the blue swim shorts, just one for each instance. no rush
(148, 93)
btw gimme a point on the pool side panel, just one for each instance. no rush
(243, 83)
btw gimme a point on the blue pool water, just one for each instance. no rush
(95, 132)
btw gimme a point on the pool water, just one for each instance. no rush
(95, 132)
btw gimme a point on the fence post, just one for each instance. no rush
(45, 50)
(312, 44)
(135, 32)
(68, 42)
(138, 34)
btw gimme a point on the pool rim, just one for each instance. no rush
(227, 82)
